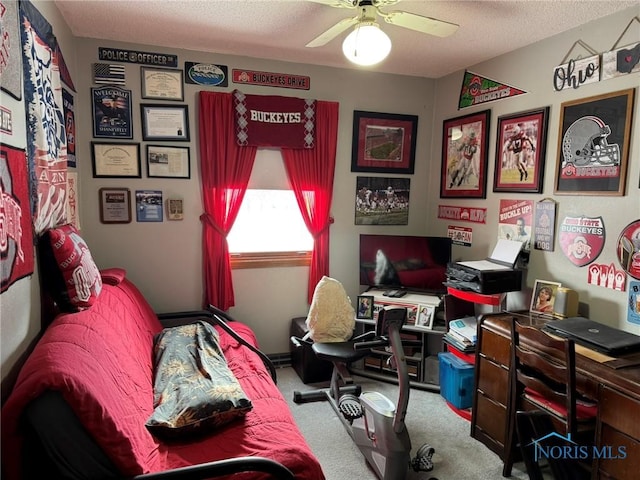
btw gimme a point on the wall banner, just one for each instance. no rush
(270, 79)
(274, 121)
(466, 214)
(515, 221)
(477, 90)
(544, 225)
(16, 234)
(46, 136)
(582, 239)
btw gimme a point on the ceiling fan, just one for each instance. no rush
(369, 9)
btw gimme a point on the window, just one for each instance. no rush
(269, 230)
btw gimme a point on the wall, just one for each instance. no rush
(20, 304)
(164, 259)
(531, 69)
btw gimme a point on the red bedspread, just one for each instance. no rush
(101, 362)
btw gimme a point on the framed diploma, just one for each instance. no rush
(165, 122)
(162, 83)
(115, 205)
(115, 160)
(168, 162)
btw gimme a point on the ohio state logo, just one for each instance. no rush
(582, 239)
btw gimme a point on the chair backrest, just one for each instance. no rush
(545, 366)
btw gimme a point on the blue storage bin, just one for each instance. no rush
(456, 380)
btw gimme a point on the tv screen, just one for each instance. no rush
(401, 261)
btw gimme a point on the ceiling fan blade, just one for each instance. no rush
(428, 25)
(337, 3)
(333, 32)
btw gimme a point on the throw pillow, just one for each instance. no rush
(194, 389)
(69, 272)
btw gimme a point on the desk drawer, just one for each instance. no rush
(618, 468)
(493, 380)
(491, 417)
(620, 412)
(496, 347)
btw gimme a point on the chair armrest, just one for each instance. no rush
(222, 467)
(363, 337)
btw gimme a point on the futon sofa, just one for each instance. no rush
(82, 401)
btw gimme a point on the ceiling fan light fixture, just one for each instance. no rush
(366, 44)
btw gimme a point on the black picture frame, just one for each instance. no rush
(164, 122)
(594, 132)
(521, 142)
(364, 310)
(115, 160)
(111, 112)
(457, 135)
(164, 161)
(383, 142)
(162, 83)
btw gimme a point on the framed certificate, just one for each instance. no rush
(115, 205)
(168, 162)
(162, 83)
(115, 160)
(165, 122)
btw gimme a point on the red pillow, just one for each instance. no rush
(70, 274)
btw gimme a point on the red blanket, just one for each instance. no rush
(101, 361)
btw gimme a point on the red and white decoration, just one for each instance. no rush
(274, 121)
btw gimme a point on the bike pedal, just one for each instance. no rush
(350, 407)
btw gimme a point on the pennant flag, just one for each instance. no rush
(104, 73)
(477, 90)
(65, 75)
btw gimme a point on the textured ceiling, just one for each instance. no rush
(280, 29)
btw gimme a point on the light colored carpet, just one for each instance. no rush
(429, 420)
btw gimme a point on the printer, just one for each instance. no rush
(496, 274)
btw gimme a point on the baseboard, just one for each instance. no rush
(280, 360)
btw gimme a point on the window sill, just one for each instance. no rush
(270, 259)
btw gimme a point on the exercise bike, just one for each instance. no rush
(373, 421)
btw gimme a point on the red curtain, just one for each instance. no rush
(225, 168)
(311, 173)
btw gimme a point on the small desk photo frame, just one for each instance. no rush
(365, 307)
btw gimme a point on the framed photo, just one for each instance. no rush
(365, 307)
(520, 152)
(175, 210)
(111, 112)
(168, 162)
(465, 143)
(543, 297)
(165, 122)
(593, 144)
(425, 316)
(382, 201)
(162, 83)
(149, 206)
(383, 142)
(115, 205)
(115, 160)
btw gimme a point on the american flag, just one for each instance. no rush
(105, 73)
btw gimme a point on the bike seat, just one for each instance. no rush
(338, 352)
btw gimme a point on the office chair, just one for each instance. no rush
(543, 378)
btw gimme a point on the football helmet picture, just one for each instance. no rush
(585, 142)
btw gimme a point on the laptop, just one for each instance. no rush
(595, 335)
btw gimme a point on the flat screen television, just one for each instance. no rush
(416, 263)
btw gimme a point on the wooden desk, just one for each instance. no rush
(617, 391)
